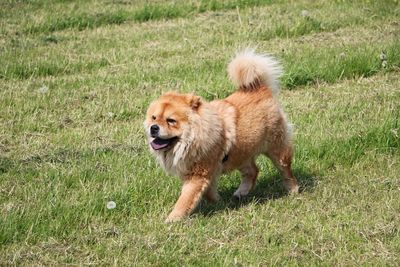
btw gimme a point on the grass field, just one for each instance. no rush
(76, 78)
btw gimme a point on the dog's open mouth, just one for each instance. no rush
(159, 143)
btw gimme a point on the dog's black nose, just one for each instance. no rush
(154, 129)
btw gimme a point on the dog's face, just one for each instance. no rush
(167, 119)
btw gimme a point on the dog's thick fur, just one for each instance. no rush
(198, 141)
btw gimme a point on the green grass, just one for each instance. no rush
(144, 12)
(333, 64)
(314, 21)
(68, 150)
(81, 22)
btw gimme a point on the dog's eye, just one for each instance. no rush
(171, 121)
(153, 117)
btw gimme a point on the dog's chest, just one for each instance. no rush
(166, 160)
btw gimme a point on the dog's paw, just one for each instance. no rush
(243, 190)
(239, 193)
(173, 218)
(294, 190)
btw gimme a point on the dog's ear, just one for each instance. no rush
(194, 101)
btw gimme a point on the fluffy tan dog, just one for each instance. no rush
(198, 141)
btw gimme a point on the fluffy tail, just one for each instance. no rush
(249, 70)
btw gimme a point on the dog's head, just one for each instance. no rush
(168, 119)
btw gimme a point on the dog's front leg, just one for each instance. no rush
(192, 190)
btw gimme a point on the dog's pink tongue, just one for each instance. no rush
(159, 143)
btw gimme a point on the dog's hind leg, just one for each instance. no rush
(249, 173)
(282, 159)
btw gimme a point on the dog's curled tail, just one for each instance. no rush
(249, 71)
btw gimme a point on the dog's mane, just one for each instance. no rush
(204, 132)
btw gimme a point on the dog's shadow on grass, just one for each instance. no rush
(267, 189)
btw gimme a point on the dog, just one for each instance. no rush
(198, 140)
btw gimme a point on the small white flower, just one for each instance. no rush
(395, 132)
(44, 89)
(111, 205)
(384, 64)
(9, 207)
(342, 55)
(382, 56)
(110, 114)
(305, 13)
